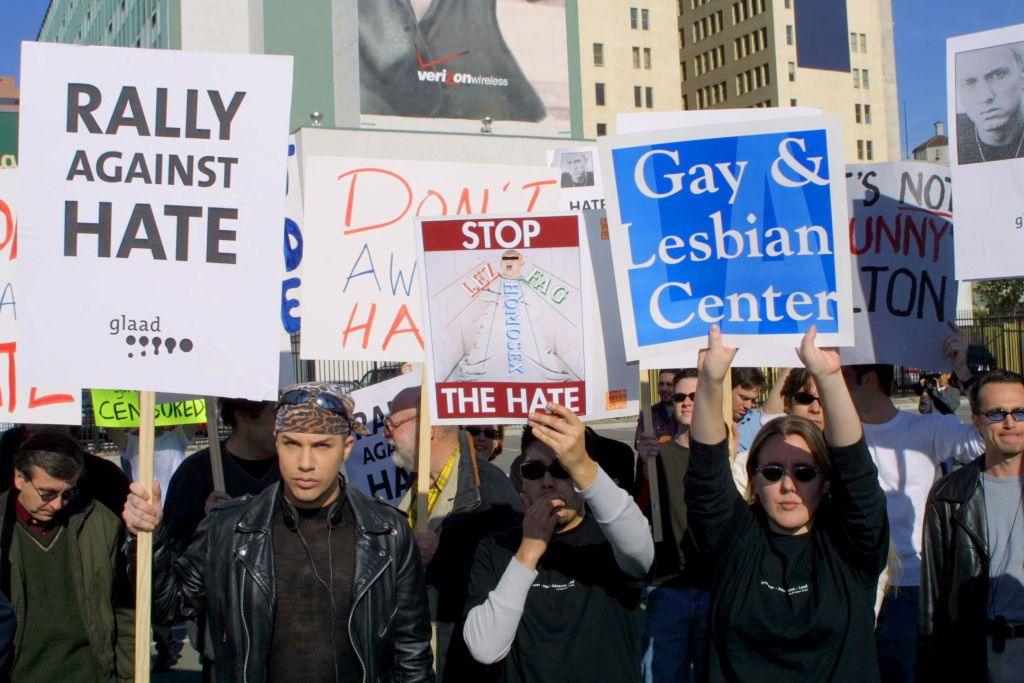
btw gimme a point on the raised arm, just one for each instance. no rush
(842, 425)
(708, 425)
(774, 404)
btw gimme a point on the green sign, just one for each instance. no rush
(8, 139)
(120, 408)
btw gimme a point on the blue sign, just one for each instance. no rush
(736, 231)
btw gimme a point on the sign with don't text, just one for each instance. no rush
(741, 225)
(22, 398)
(151, 230)
(506, 313)
(360, 291)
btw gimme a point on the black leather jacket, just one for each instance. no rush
(228, 573)
(954, 580)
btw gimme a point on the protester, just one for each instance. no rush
(63, 570)
(907, 449)
(675, 628)
(469, 498)
(938, 394)
(311, 579)
(557, 599)
(796, 571)
(102, 481)
(169, 448)
(662, 420)
(972, 602)
(249, 462)
(612, 456)
(487, 440)
(747, 384)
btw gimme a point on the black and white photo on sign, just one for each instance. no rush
(990, 103)
(577, 169)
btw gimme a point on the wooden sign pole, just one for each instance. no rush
(213, 432)
(144, 541)
(423, 458)
(651, 463)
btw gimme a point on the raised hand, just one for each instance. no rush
(563, 433)
(819, 362)
(714, 362)
(142, 511)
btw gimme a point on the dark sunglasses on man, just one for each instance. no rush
(489, 432)
(535, 469)
(805, 398)
(680, 397)
(48, 496)
(801, 473)
(998, 415)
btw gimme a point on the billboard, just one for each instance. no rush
(448, 64)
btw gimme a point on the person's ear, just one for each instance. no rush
(346, 447)
(19, 480)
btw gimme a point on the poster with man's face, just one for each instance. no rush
(450, 64)
(985, 87)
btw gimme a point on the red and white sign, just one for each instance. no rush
(505, 315)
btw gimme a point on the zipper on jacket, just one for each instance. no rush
(355, 602)
(245, 629)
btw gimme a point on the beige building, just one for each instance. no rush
(9, 97)
(769, 53)
(629, 60)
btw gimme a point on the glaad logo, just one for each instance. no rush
(147, 343)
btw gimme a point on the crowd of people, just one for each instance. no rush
(826, 536)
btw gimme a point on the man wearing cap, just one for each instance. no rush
(469, 499)
(309, 580)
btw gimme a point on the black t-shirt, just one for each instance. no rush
(791, 608)
(580, 620)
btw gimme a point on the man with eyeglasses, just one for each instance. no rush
(468, 499)
(908, 449)
(557, 599)
(675, 632)
(63, 571)
(972, 603)
(309, 580)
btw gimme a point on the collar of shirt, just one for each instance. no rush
(28, 520)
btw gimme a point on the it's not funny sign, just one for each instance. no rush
(154, 194)
(741, 225)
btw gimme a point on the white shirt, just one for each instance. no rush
(168, 453)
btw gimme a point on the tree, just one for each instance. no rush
(1001, 297)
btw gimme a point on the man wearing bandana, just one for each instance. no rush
(310, 580)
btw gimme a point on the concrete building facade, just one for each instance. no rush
(935, 148)
(837, 55)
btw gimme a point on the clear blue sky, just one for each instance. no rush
(922, 27)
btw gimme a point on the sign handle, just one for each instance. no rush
(213, 432)
(144, 541)
(651, 463)
(423, 458)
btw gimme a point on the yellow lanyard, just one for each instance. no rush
(435, 489)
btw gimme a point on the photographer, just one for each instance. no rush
(939, 393)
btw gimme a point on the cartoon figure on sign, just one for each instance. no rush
(510, 339)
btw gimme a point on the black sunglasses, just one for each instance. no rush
(998, 415)
(486, 431)
(801, 473)
(298, 397)
(680, 397)
(535, 469)
(805, 398)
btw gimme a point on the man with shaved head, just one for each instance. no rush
(309, 580)
(468, 500)
(990, 104)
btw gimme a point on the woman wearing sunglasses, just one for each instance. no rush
(486, 440)
(795, 572)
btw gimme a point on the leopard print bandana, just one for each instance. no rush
(310, 418)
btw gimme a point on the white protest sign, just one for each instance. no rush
(506, 316)
(614, 387)
(985, 90)
(901, 243)
(22, 399)
(291, 292)
(743, 225)
(153, 186)
(370, 465)
(361, 298)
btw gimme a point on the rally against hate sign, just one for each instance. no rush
(740, 225)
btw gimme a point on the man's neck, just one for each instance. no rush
(683, 437)
(1004, 467)
(440, 453)
(1006, 134)
(242, 447)
(876, 410)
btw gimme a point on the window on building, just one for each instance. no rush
(792, 102)
(857, 113)
(789, 4)
(789, 34)
(599, 94)
(792, 71)
(649, 97)
(853, 42)
(869, 150)
(863, 43)
(683, 65)
(647, 58)
(598, 54)
(860, 150)
(633, 13)
(856, 78)
(867, 113)
(636, 57)
(602, 129)
(864, 78)
(645, 19)
(638, 94)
